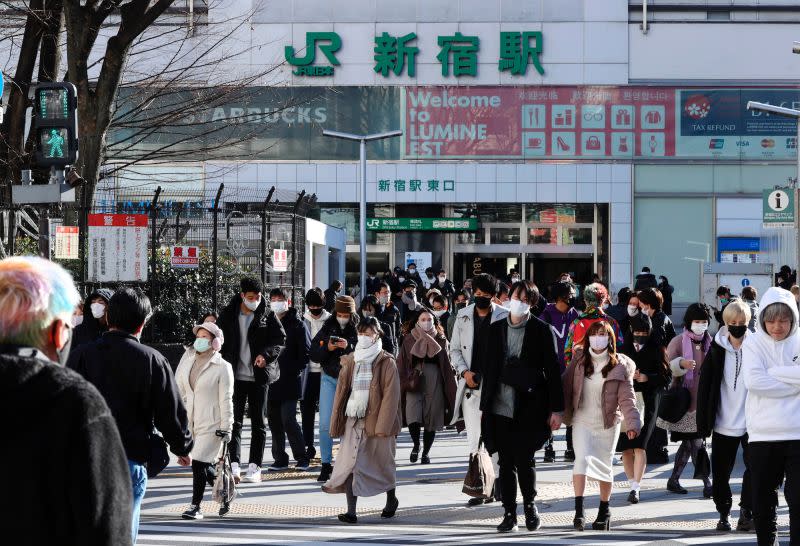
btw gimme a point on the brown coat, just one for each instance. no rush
(405, 363)
(619, 398)
(383, 411)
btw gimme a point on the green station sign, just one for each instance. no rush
(422, 224)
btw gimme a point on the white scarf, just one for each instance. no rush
(362, 379)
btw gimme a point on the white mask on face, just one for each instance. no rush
(252, 305)
(365, 342)
(76, 320)
(367, 314)
(279, 306)
(442, 278)
(699, 328)
(514, 279)
(632, 310)
(598, 343)
(426, 325)
(342, 321)
(384, 300)
(518, 308)
(439, 313)
(98, 310)
(506, 304)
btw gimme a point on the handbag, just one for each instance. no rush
(414, 380)
(702, 464)
(674, 404)
(224, 488)
(479, 481)
(157, 453)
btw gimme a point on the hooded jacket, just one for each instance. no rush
(645, 280)
(771, 372)
(721, 394)
(91, 328)
(294, 358)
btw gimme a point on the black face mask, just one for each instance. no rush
(315, 312)
(737, 331)
(641, 340)
(483, 302)
(461, 305)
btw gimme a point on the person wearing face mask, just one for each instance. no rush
(367, 418)
(522, 401)
(386, 310)
(371, 308)
(445, 286)
(598, 398)
(286, 391)
(429, 295)
(594, 296)
(63, 416)
(205, 382)
(95, 321)
(619, 311)
(255, 340)
(750, 297)
(139, 387)
(501, 295)
(333, 292)
(336, 338)
(723, 298)
(427, 382)
(650, 303)
(441, 312)
(686, 354)
(429, 279)
(460, 301)
(409, 305)
(77, 316)
(314, 317)
(666, 290)
(721, 396)
(412, 274)
(649, 381)
(470, 353)
(770, 371)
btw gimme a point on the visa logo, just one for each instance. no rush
(716, 143)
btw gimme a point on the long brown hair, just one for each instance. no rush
(411, 322)
(599, 328)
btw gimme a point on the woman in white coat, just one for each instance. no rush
(205, 381)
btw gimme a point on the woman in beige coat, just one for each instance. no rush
(205, 382)
(366, 416)
(598, 393)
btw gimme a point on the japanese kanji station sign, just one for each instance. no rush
(458, 54)
(422, 224)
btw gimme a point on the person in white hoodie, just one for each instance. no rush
(771, 372)
(314, 317)
(721, 397)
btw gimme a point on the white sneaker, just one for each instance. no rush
(237, 473)
(253, 474)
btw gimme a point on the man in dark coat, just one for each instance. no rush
(446, 287)
(645, 279)
(254, 338)
(86, 497)
(387, 311)
(137, 384)
(95, 323)
(285, 392)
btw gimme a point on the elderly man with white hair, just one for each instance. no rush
(80, 484)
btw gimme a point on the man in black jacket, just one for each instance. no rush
(645, 279)
(285, 392)
(254, 338)
(387, 311)
(137, 384)
(86, 497)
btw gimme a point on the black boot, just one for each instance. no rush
(674, 486)
(579, 522)
(413, 430)
(532, 520)
(603, 521)
(325, 473)
(509, 523)
(745, 522)
(427, 442)
(391, 505)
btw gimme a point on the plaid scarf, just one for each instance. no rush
(362, 379)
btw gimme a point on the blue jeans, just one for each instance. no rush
(327, 391)
(139, 483)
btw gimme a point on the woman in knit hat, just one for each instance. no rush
(205, 382)
(335, 339)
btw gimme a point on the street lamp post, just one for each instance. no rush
(789, 113)
(362, 207)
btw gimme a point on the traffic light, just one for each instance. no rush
(56, 123)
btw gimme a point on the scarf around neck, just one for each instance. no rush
(362, 379)
(688, 340)
(425, 346)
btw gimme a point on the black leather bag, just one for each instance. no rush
(702, 465)
(674, 404)
(158, 454)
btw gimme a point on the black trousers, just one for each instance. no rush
(769, 462)
(282, 418)
(202, 474)
(515, 459)
(308, 408)
(256, 395)
(569, 439)
(723, 459)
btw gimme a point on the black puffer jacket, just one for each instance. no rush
(293, 359)
(91, 328)
(329, 360)
(86, 496)
(265, 335)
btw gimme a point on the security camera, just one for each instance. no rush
(796, 48)
(74, 179)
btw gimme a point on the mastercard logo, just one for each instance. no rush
(767, 143)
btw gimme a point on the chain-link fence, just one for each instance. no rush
(221, 234)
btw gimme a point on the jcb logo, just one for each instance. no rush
(329, 43)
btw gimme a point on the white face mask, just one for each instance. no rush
(279, 306)
(426, 325)
(439, 313)
(647, 311)
(367, 314)
(365, 342)
(598, 343)
(632, 310)
(506, 304)
(442, 278)
(252, 305)
(401, 279)
(384, 300)
(76, 320)
(98, 310)
(342, 321)
(699, 328)
(514, 279)
(518, 308)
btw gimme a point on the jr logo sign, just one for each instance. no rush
(329, 44)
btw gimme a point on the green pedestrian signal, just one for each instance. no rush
(56, 123)
(53, 142)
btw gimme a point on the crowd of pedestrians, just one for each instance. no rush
(497, 359)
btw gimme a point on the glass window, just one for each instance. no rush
(345, 216)
(673, 178)
(750, 178)
(678, 252)
(504, 236)
(501, 213)
(543, 236)
(471, 237)
(559, 213)
(576, 235)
